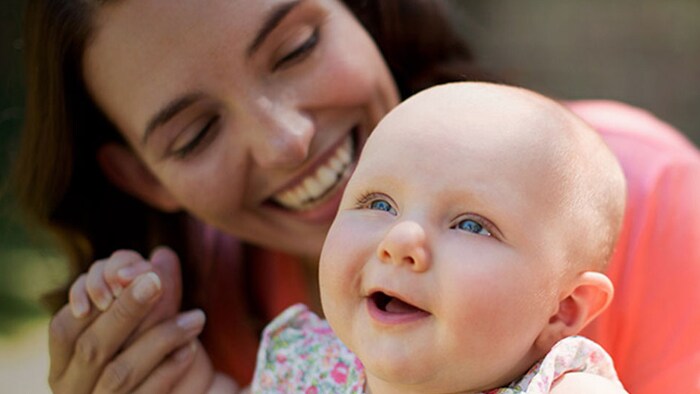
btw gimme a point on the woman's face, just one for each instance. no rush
(249, 113)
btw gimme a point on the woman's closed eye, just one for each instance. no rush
(195, 139)
(309, 39)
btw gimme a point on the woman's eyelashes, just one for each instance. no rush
(198, 140)
(299, 52)
(200, 137)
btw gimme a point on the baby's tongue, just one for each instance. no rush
(400, 307)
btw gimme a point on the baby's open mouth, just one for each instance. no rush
(314, 188)
(393, 305)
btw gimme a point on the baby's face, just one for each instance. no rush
(439, 271)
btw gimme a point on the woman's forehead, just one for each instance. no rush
(145, 52)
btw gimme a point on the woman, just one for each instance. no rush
(153, 123)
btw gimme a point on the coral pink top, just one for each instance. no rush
(652, 328)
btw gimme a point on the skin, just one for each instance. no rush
(257, 122)
(513, 272)
(274, 113)
(478, 242)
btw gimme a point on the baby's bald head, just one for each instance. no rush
(523, 138)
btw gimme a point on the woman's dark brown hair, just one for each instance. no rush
(57, 180)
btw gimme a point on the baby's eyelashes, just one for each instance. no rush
(376, 201)
(472, 226)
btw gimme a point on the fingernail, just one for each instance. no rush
(192, 320)
(146, 287)
(103, 302)
(116, 289)
(132, 271)
(185, 352)
(79, 308)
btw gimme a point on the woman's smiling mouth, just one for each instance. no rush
(311, 190)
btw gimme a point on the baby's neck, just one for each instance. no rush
(374, 385)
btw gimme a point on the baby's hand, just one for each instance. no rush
(105, 280)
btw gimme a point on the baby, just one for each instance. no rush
(467, 252)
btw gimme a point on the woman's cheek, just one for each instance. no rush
(203, 188)
(350, 65)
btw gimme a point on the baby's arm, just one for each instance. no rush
(586, 383)
(104, 283)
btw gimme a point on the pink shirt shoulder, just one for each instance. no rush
(652, 328)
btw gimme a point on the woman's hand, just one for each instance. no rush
(106, 279)
(88, 353)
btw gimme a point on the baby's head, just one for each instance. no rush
(470, 238)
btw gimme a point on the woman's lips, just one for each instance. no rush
(310, 191)
(388, 309)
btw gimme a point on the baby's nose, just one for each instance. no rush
(405, 244)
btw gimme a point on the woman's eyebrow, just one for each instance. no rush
(274, 17)
(168, 112)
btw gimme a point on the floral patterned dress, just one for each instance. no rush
(300, 354)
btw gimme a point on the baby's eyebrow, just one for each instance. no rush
(273, 19)
(168, 112)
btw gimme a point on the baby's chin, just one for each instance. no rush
(389, 378)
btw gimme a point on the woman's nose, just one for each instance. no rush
(282, 136)
(405, 244)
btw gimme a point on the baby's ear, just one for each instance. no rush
(590, 294)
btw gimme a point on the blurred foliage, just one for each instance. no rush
(642, 52)
(28, 267)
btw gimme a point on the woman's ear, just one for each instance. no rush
(127, 172)
(591, 293)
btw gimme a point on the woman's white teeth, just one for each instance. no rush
(313, 186)
(336, 164)
(319, 183)
(326, 175)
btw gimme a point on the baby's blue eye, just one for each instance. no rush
(377, 202)
(381, 205)
(473, 227)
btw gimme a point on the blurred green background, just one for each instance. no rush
(644, 52)
(28, 267)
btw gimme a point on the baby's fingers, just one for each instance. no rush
(97, 288)
(122, 267)
(78, 298)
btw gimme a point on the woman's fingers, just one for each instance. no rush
(156, 358)
(98, 342)
(64, 331)
(167, 265)
(166, 376)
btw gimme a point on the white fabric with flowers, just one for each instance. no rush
(299, 353)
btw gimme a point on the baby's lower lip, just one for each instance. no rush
(394, 316)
